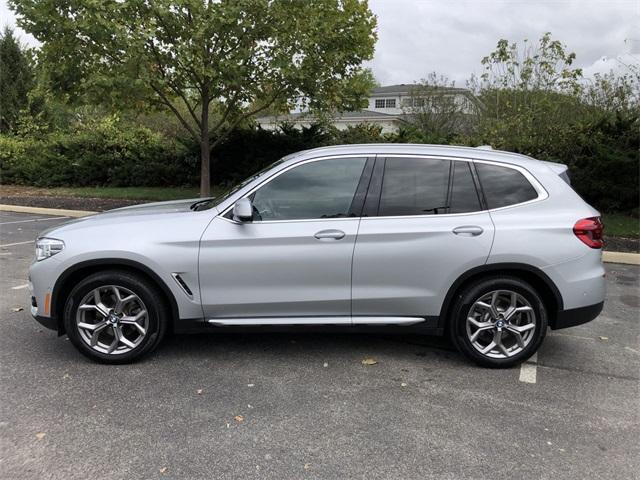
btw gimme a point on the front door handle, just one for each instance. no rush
(329, 235)
(468, 230)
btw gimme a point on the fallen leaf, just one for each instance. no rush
(164, 469)
(17, 309)
(199, 391)
(307, 466)
(40, 435)
(66, 375)
(604, 338)
(369, 361)
(239, 418)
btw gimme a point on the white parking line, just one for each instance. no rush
(17, 243)
(40, 219)
(528, 370)
(20, 287)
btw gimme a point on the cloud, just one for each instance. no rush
(416, 37)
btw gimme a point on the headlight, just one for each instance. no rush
(47, 247)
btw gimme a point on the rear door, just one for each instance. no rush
(423, 225)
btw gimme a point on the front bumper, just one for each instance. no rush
(577, 316)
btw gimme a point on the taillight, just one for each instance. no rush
(589, 231)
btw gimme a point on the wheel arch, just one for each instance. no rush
(67, 280)
(534, 276)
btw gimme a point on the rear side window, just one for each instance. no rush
(503, 186)
(414, 186)
(464, 196)
(426, 186)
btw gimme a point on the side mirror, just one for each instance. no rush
(243, 210)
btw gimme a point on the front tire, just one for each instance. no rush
(498, 322)
(115, 317)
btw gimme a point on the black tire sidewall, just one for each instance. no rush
(471, 294)
(147, 292)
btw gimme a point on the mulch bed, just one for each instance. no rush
(613, 244)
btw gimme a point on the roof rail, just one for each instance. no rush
(485, 147)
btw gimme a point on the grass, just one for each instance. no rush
(621, 225)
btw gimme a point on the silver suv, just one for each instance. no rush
(488, 247)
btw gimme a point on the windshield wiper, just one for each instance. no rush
(194, 206)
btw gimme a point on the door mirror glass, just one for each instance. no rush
(243, 210)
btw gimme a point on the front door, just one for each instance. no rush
(294, 258)
(424, 226)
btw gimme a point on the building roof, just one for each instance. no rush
(358, 114)
(406, 88)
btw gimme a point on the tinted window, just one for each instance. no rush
(504, 186)
(414, 186)
(322, 189)
(464, 197)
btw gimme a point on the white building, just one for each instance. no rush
(387, 109)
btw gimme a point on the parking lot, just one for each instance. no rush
(300, 405)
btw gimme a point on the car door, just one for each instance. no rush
(292, 262)
(423, 225)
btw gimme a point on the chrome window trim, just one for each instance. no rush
(537, 186)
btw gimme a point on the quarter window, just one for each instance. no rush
(504, 186)
(321, 189)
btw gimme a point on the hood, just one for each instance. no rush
(134, 213)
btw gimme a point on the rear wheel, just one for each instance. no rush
(115, 317)
(498, 322)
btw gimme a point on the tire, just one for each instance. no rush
(474, 324)
(95, 321)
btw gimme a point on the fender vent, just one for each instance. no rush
(182, 284)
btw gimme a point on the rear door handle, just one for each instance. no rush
(329, 235)
(468, 230)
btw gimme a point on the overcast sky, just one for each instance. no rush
(416, 37)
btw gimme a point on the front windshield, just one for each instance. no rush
(206, 204)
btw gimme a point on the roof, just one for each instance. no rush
(424, 149)
(358, 114)
(406, 88)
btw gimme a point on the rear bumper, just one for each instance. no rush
(577, 316)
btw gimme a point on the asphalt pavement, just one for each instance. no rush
(294, 405)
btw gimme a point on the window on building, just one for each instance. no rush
(390, 103)
(380, 103)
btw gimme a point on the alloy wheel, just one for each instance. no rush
(112, 320)
(501, 324)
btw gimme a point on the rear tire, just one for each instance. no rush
(115, 317)
(498, 322)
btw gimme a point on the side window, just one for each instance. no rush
(504, 186)
(414, 186)
(464, 196)
(322, 189)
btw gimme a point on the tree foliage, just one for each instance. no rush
(16, 79)
(222, 61)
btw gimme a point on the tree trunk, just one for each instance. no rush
(205, 157)
(205, 149)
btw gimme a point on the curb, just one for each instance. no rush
(60, 212)
(608, 257)
(621, 257)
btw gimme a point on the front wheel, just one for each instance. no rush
(498, 322)
(115, 317)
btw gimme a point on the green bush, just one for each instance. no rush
(98, 156)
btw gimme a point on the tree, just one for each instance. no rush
(213, 64)
(438, 109)
(16, 79)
